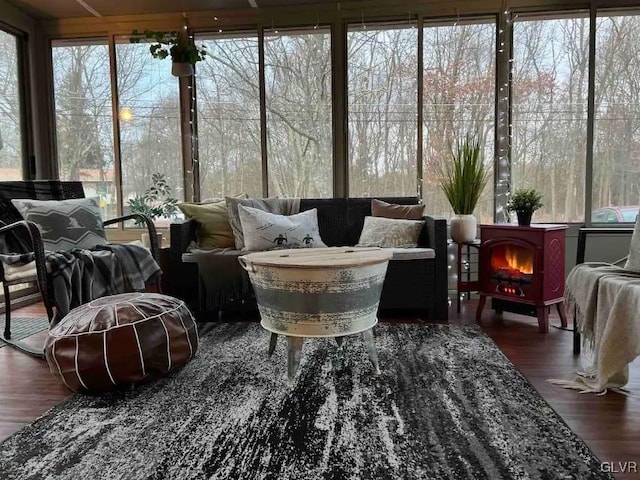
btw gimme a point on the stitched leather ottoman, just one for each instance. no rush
(121, 340)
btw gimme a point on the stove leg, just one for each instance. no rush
(481, 302)
(543, 319)
(294, 353)
(370, 342)
(563, 314)
(273, 339)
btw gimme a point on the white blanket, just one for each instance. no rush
(607, 303)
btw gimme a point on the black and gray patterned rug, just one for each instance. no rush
(448, 405)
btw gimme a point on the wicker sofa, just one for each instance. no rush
(410, 285)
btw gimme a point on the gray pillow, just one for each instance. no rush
(387, 232)
(272, 205)
(65, 224)
(264, 231)
(633, 261)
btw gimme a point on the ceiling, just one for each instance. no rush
(49, 9)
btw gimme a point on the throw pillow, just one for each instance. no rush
(387, 232)
(264, 231)
(392, 210)
(633, 261)
(271, 205)
(213, 230)
(65, 224)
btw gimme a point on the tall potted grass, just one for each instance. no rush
(463, 179)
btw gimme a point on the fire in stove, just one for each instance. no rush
(512, 263)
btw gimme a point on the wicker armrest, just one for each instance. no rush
(38, 251)
(182, 234)
(153, 237)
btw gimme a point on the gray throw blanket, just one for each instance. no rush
(79, 276)
(221, 276)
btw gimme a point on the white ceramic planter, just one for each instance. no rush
(463, 228)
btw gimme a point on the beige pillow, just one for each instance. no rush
(392, 210)
(213, 230)
(387, 232)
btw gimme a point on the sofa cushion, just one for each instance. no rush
(65, 224)
(381, 208)
(387, 232)
(266, 231)
(412, 253)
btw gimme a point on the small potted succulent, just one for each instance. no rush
(156, 202)
(524, 201)
(178, 45)
(463, 179)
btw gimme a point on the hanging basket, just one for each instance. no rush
(181, 69)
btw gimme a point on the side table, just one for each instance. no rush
(467, 280)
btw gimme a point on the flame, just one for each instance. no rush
(516, 262)
(512, 258)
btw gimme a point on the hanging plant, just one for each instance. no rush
(183, 51)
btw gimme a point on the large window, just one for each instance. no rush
(616, 152)
(550, 85)
(228, 92)
(84, 126)
(149, 114)
(383, 91)
(459, 100)
(298, 107)
(11, 141)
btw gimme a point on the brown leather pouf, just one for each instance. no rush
(121, 340)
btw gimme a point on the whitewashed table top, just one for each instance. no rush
(332, 257)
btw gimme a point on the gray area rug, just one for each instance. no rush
(23, 327)
(448, 405)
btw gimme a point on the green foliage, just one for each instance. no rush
(177, 45)
(524, 200)
(156, 201)
(463, 178)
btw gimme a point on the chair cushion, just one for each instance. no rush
(65, 224)
(265, 231)
(121, 340)
(394, 210)
(387, 232)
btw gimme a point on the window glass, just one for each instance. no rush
(459, 100)
(616, 151)
(550, 86)
(83, 116)
(149, 115)
(11, 153)
(229, 116)
(383, 88)
(298, 107)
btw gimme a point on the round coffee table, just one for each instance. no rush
(319, 292)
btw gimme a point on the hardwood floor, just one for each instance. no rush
(609, 424)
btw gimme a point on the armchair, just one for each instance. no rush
(23, 237)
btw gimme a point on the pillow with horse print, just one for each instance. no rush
(266, 231)
(65, 224)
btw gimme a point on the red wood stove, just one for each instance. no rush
(522, 269)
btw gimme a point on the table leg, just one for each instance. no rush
(294, 353)
(339, 341)
(481, 302)
(273, 339)
(370, 342)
